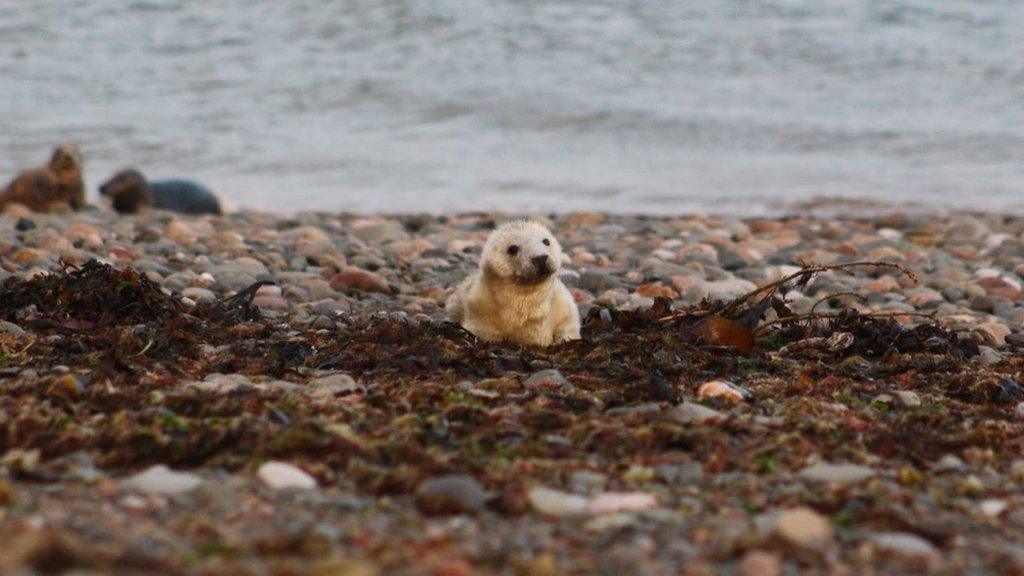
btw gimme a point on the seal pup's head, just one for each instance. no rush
(128, 191)
(66, 165)
(521, 252)
(66, 160)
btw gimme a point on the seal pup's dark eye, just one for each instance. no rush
(546, 242)
(513, 250)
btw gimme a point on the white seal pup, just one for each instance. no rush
(516, 295)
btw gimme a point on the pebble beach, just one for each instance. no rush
(345, 430)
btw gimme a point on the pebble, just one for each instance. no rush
(692, 413)
(904, 544)
(222, 383)
(883, 285)
(995, 286)
(655, 290)
(66, 387)
(303, 235)
(986, 303)
(282, 476)
(548, 381)
(358, 280)
(11, 328)
(451, 494)
(596, 282)
(1018, 411)
(460, 246)
(612, 502)
(270, 302)
(332, 307)
(555, 503)
(181, 233)
(686, 473)
(199, 294)
(249, 266)
(726, 390)
(376, 232)
(842, 474)
(987, 356)
(803, 527)
(587, 481)
(690, 288)
(408, 250)
(991, 333)
(335, 384)
(728, 289)
(992, 507)
(923, 298)
(907, 398)
(31, 256)
(949, 463)
(283, 385)
(162, 480)
(760, 563)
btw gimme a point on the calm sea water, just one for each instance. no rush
(659, 106)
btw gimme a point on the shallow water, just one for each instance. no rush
(652, 105)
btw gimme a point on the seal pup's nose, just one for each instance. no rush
(540, 263)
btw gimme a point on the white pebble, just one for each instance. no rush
(160, 479)
(281, 475)
(557, 504)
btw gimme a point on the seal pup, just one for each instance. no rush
(130, 192)
(45, 188)
(516, 295)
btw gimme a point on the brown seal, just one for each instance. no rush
(46, 187)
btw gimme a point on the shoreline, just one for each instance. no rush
(684, 257)
(141, 412)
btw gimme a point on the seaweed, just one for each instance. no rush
(431, 399)
(119, 314)
(75, 298)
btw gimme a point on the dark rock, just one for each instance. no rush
(984, 303)
(451, 494)
(731, 260)
(1008, 391)
(1015, 340)
(596, 282)
(548, 381)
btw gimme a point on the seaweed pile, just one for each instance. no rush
(117, 326)
(429, 399)
(109, 318)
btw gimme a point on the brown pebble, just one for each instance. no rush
(654, 290)
(804, 527)
(27, 256)
(352, 278)
(996, 286)
(760, 563)
(6, 493)
(65, 387)
(724, 389)
(991, 333)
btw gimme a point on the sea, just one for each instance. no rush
(733, 107)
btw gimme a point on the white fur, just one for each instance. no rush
(506, 300)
